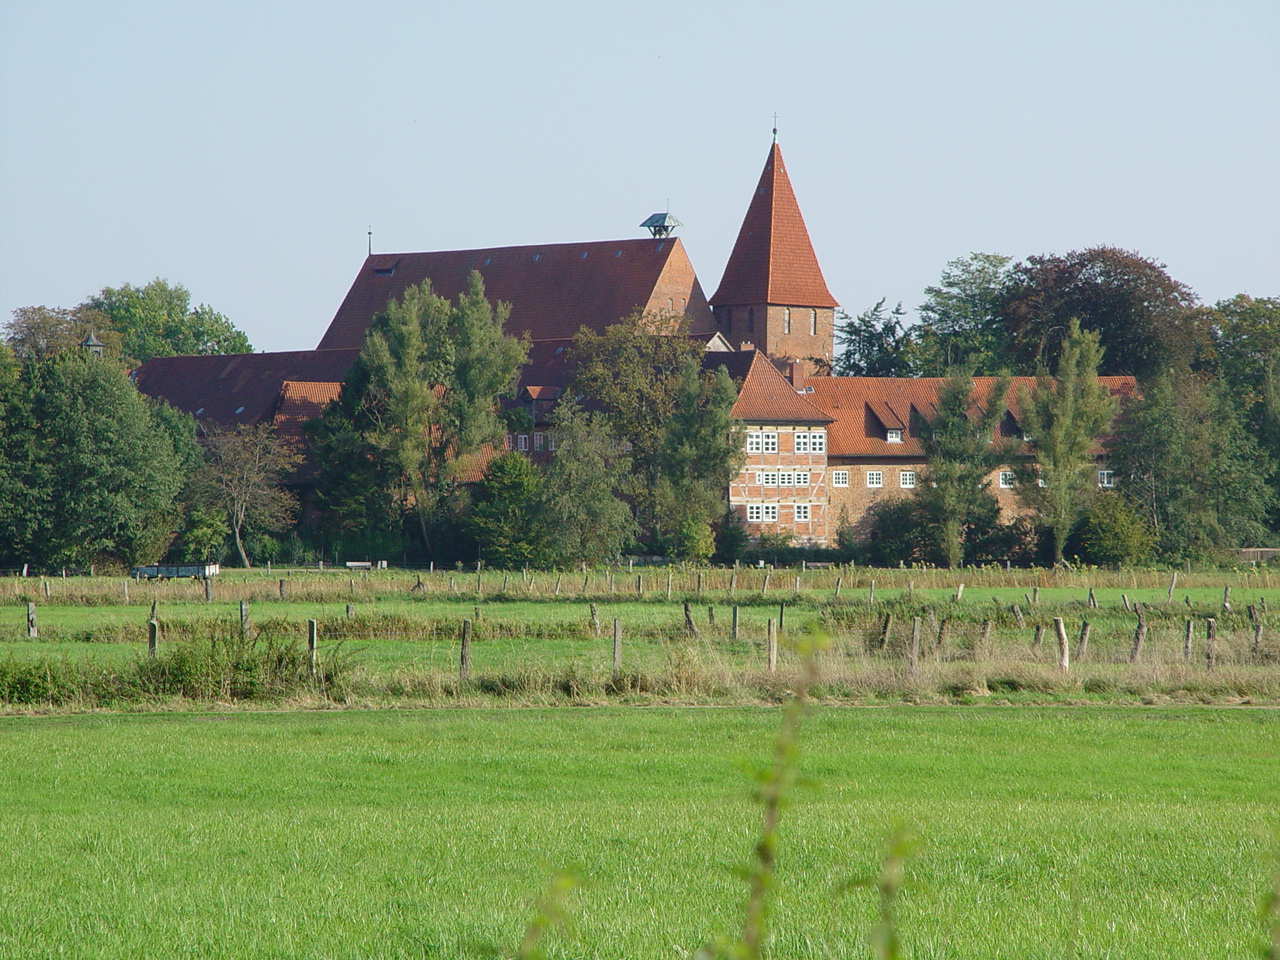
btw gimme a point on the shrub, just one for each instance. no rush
(1111, 534)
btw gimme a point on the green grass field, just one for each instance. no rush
(1047, 833)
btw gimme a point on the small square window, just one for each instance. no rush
(802, 511)
(1106, 478)
(522, 441)
(802, 443)
(538, 440)
(786, 479)
(770, 442)
(770, 479)
(1007, 479)
(753, 512)
(875, 478)
(801, 480)
(754, 444)
(769, 512)
(839, 478)
(818, 441)
(906, 479)
(893, 436)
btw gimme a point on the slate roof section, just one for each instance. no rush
(237, 388)
(773, 260)
(859, 407)
(554, 289)
(764, 394)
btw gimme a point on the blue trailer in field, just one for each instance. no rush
(171, 571)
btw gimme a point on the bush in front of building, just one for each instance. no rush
(1111, 534)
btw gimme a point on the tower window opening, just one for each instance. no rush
(813, 323)
(786, 319)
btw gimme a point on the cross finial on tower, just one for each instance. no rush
(775, 128)
(371, 240)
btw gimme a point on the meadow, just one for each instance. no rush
(1045, 832)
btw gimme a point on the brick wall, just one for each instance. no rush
(799, 341)
(751, 488)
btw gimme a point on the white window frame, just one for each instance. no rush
(800, 479)
(802, 513)
(1107, 479)
(893, 435)
(769, 478)
(818, 441)
(1007, 480)
(875, 479)
(754, 513)
(539, 441)
(522, 442)
(769, 511)
(802, 443)
(769, 441)
(839, 478)
(907, 479)
(510, 442)
(754, 443)
(551, 442)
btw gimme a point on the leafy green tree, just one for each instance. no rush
(875, 343)
(422, 394)
(504, 519)
(632, 373)
(580, 508)
(92, 472)
(961, 446)
(960, 323)
(157, 320)
(701, 453)
(1112, 534)
(1064, 417)
(1147, 321)
(1191, 469)
(1247, 339)
(243, 477)
(38, 333)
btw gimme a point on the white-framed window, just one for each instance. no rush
(893, 435)
(551, 442)
(1007, 479)
(1106, 478)
(802, 443)
(538, 440)
(786, 319)
(907, 479)
(754, 443)
(508, 442)
(769, 512)
(818, 441)
(522, 441)
(839, 478)
(800, 479)
(786, 479)
(769, 479)
(875, 478)
(813, 323)
(769, 442)
(753, 512)
(802, 511)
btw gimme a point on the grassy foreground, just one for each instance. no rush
(1047, 833)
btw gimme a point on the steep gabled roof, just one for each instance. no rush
(773, 259)
(554, 289)
(239, 388)
(764, 394)
(861, 408)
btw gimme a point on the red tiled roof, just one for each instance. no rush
(856, 405)
(764, 394)
(773, 259)
(554, 289)
(239, 388)
(299, 402)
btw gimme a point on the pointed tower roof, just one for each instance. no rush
(773, 260)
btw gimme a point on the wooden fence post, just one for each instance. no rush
(1188, 640)
(595, 620)
(913, 652)
(1124, 602)
(839, 584)
(1226, 598)
(1255, 647)
(885, 630)
(153, 637)
(351, 611)
(126, 591)
(1173, 583)
(1035, 596)
(782, 617)
(941, 642)
(1093, 600)
(1082, 645)
(699, 584)
(33, 630)
(639, 585)
(464, 657)
(733, 582)
(871, 592)
(1139, 636)
(44, 584)
(690, 627)
(1017, 615)
(244, 618)
(771, 650)
(282, 589)
(733, 628)
(153, 609)
(711, 615)
(1038, 638)
(983, 648)
(1211, 643)
(669, 575)
(764, 587)
(208, 589)
(797, 588)
(617, 648)
(1064, 649)
(313, 631)
(959, 592)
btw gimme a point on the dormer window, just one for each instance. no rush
(893, 435)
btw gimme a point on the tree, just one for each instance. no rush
(1247, 339)
(580, 508)
(504, 516)
(961, 449)
(158, 321)
(702, 452)
(39, 333)
(243, 476)
(1112, 534)
(960, 322)
(631, 373)
(1063, 418)
(1191, 469)
(422, 394)
(1146, 320)
(875, 343)
(90, 472)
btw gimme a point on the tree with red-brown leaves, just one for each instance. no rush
(1147, 321)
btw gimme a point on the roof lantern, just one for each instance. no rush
(661, 224)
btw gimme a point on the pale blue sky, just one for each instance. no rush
(242, 148)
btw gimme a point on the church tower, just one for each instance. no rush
(773, 294)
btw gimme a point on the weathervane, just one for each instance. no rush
(775, 128)
(371, 239)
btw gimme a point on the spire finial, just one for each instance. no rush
(371, 240)
(775, 128)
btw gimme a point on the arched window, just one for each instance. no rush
(813, 322)
(786, 319)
